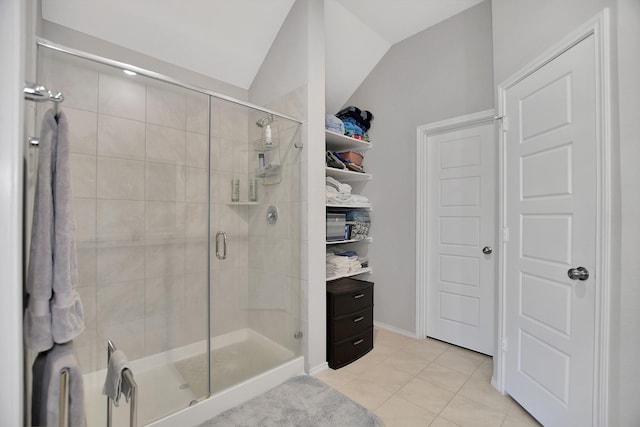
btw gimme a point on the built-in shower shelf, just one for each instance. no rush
(243, 203)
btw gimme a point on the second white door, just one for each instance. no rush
(461, 237)
(551, 203)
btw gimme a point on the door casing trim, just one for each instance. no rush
(600, 29)
(422, 186)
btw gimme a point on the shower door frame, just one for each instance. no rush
(41, 42)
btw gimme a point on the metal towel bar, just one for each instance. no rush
(127, 376)
(38, 93)
(64, 398)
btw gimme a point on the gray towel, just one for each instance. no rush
(54, 312)
(46, 387)
(114, 386)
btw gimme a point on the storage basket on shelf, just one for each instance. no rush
(358, 224)
(352, 156)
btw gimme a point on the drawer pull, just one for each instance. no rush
(358, 296)
(358, 319)
(360, 341)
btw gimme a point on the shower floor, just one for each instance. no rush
(230, 365)
(168, 383)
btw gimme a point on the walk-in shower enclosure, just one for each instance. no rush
(199, 291)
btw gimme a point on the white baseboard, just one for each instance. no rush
(395, 330)
(316, 370)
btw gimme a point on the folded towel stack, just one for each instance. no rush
(338, 193)
(334, 124)
(362, 118)
(336, 265)
(351, 129)
(339, 186)
(334, 197)
(357, 122)
(342, 263)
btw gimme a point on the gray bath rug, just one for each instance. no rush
(300, 401)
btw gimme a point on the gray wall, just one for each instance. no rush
(284, 69)
(84, 42)
(442, 72)
(523, 30)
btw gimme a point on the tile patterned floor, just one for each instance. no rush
(409, 382)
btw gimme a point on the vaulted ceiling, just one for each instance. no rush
(229, 39)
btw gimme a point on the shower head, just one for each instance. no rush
(265, 121)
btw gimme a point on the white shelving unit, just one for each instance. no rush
(347, 175)
(338, 142)
(361, 207)
(339, 242)
(355, 273)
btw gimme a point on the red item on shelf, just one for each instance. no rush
(352, 156)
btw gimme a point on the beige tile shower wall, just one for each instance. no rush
(139, 171)
(273, 301)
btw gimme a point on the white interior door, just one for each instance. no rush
(550, 188)
(461, 237)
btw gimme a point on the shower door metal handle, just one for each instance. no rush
(222, 255)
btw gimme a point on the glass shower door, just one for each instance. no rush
(255, 281)
(139, 160)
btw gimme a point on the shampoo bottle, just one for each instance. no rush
(267, 135)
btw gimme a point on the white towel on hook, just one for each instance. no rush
(54, 312)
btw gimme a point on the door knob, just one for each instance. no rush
(487, 250)
(579, 273)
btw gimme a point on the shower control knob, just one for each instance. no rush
(272, 215)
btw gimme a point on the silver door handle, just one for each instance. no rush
(579, 273)
(487, 250)
(222, 255)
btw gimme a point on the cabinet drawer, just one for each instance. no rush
(347, 326)
(344, 352)
(350, 302)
